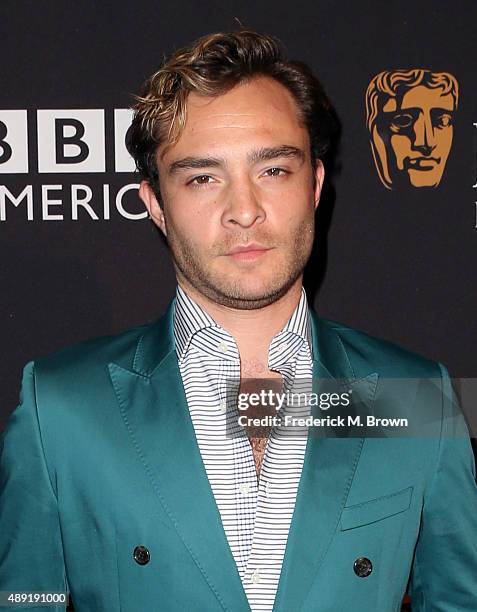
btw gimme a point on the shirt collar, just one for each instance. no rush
(299, 322)
(190, 318)
(285, 345)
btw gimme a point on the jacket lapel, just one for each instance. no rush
(328, 470)
(154, 409)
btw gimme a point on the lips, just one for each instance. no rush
(248, 252)
(247, 248)
(422, 163)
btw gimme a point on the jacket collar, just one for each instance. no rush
(155, 344)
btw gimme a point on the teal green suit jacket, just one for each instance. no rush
(101, 457)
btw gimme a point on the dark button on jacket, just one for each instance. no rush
(362, 567)
(141, 555)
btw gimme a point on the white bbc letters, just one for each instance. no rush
(68, 140)
(71, 141)
(13, 142)
(123, 162)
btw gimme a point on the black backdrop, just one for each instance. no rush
(399, 265)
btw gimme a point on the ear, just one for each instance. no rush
(154, 209)
(319, 178)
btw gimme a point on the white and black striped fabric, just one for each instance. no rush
(256, 516)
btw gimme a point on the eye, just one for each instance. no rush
(197, 181)
(443, 120)
(275, 172)
(401, 121)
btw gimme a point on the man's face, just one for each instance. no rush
(417, 136)
(238, 195)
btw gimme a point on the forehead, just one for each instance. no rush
(422, 97)
(249, 114)
(425, 97)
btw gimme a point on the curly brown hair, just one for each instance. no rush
(211, 66)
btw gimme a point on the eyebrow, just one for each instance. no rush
(440, 109)
(262, 154)
(269, 153)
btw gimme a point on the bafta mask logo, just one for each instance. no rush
(409, 114)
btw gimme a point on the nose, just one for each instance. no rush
(424, 140)
(243, 205)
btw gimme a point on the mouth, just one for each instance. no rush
(422, 163)
(248, 252)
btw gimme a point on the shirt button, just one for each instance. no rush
(223, 406)
(244, 488)
(222, 347)
(268, 489)
(255, 578)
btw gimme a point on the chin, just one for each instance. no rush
(425, 180)
(250, 295)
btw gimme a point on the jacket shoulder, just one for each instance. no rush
(367, 353)
(93, 353)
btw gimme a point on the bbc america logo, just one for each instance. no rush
(67, 141)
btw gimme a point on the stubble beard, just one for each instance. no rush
(227, 292)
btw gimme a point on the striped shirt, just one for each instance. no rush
(256, 516)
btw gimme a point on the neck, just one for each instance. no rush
(252, 330)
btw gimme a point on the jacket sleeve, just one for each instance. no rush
(31, 553)
(444, 573)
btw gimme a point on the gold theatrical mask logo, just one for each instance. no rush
(409, 114)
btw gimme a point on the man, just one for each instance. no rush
(410, 120)
(121, 481)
